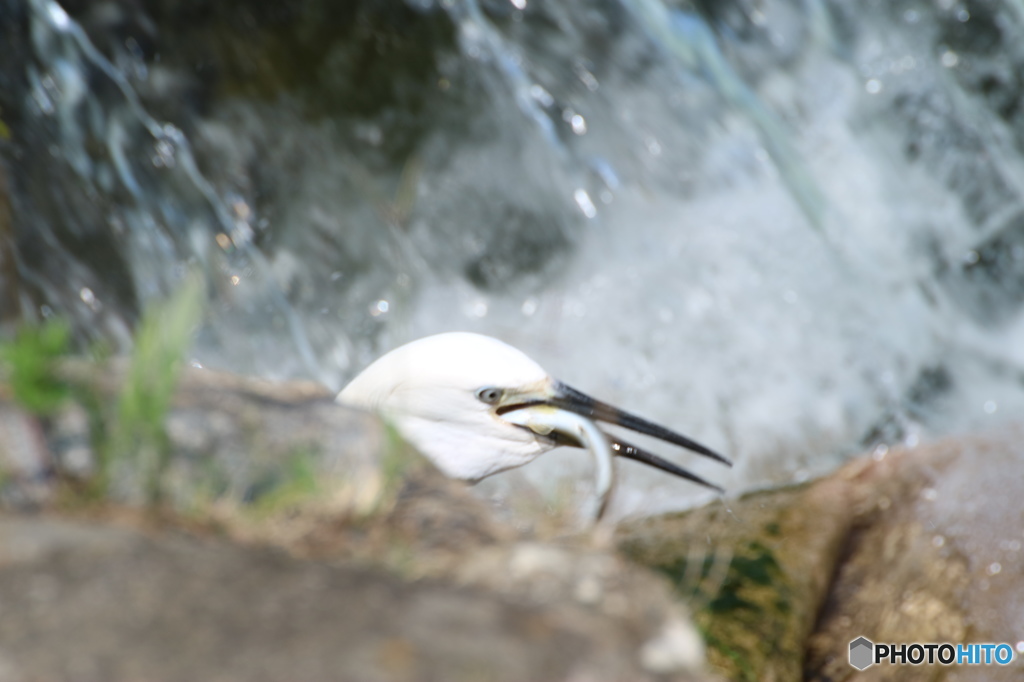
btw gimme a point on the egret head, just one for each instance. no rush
(477, 406)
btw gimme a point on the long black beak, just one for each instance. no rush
(621, 447)
(568, 398)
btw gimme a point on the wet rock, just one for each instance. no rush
(755, 570)
(903, 546)
(935, 559)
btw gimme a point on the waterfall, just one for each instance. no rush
(792, 229)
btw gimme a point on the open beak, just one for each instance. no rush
(557, 416)
(568, 398)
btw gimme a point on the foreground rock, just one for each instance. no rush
(919, 545)
(292, 539)
(102, 602)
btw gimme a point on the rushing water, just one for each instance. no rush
(793, 228)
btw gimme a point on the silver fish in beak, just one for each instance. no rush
(567, 415)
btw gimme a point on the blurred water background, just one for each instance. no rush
(792, 229)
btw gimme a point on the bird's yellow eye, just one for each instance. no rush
(490, 395)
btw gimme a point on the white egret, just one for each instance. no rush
(477, 406)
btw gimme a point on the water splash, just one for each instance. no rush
(690, 44)
(162, 230)
(481, 41)
(614, 187)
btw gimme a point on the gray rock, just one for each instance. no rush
(365, 563)
(99, 602)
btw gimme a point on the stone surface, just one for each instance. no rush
(371, 565)
(755, 570)
(414, 577)
(231, 439)
(903, 546)
(99, 602)
(934, 556)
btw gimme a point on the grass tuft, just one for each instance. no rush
(29, 366)
(137, 445)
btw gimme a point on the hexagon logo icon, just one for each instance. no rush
(862, 653)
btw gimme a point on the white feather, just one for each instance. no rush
(428, 388)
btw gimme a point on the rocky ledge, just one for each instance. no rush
(260, 531)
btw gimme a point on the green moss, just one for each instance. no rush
(288, 488)
(756, 566)
(744, 610)
(737, 660)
